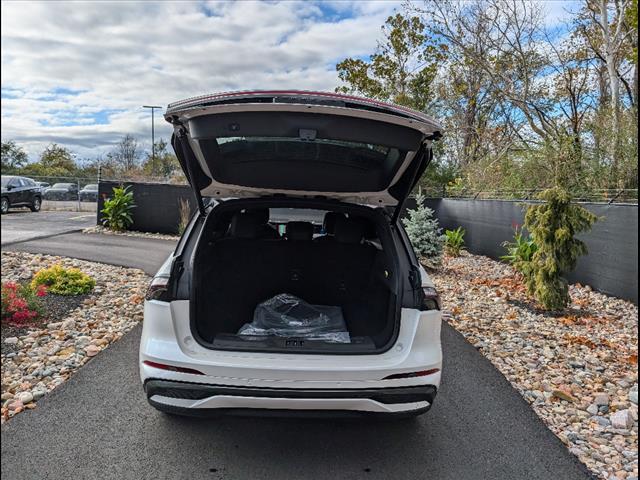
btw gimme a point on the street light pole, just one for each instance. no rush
(153, 135)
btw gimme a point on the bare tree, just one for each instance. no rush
(611, 39)
(126, 154)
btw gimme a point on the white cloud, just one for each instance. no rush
(78, 73)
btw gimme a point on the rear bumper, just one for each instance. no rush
(198, 399)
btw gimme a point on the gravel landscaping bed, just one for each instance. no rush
(578, 369)
(55, 307)
(37, 359)
(130, 233)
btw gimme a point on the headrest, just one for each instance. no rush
(329, 223)
(299, 231)
(262, 213)
(349, 230)
(245, 225)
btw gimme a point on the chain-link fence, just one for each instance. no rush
(594, 195)
(76, 194)
(80, 194)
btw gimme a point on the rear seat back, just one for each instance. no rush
(299, 231)
(246, 269)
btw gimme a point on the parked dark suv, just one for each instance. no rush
(62, 191)
(20, 192)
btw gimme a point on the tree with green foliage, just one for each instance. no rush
(13, 157)
(55, 161)
(164, 164)
(401, 71)
(553, 226)
(425, 233)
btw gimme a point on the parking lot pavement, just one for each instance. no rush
(22, 226)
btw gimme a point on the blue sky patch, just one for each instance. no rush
(66, 118)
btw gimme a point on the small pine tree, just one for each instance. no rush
(424, 232)
(553, 226)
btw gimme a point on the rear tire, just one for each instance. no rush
(36, 205)
(4, 207)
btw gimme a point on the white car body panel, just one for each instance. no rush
(227, 401)
(166, 338)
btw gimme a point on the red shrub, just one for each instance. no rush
(20, 306)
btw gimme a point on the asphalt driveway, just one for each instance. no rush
(144, 253)
(98, 425)
(23, 225)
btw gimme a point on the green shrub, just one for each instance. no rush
(116, 213)
(520, 252)
(553, 226)
(63, 281)
(424, 233)
(454, 241)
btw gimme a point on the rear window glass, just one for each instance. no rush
(298, 149)
(296, 163)
(284, 215)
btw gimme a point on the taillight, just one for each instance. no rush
(158, 289)
(421, 373)
(172, 368)
(431, 299)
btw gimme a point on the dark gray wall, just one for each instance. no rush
(611, 265)
(157, 205)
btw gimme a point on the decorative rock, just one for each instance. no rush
(11, 340)
(24, 397)
(622, 420)
(14, 405)
(576, 363)
(6, 396)
(601, 399)
(633, 396)
(562, 395)
(584, 357)
(68, 324)
(592, 409)
(602, 421)
(38, 394)
(92, 350)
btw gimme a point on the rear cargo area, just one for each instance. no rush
(248, 262)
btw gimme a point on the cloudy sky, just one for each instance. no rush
(78, 73)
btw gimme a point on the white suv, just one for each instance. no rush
(294, 289)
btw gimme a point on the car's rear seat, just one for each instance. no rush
(246, 269)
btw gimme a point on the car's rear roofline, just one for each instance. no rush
(299, 97)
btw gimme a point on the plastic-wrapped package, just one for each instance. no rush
(286, 315)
